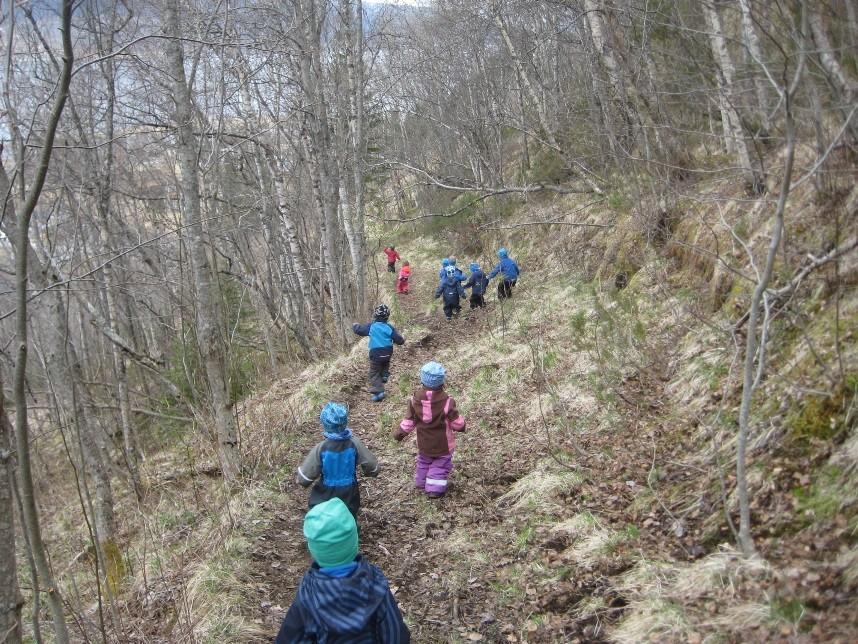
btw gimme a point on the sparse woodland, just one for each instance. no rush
(662, 434)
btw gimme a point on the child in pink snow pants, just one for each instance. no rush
(433, 414)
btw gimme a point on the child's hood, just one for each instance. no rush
(344, 604)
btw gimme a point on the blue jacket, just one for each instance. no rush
(477, 282)
(382, 336)
(451, 289)
(508, 267)
(356, 609)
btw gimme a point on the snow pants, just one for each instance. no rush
(505, 289)
(402, 285)
(379, 372)
(391, 267)
(450, 308)
(477, 301)
(431, 472)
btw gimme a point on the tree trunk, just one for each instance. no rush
(10, 597)
(357, 237)
(752, 42)
(734, 137)
(22, 246)
(208, 315)
(537, 103)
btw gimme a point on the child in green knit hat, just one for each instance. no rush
(343, 597)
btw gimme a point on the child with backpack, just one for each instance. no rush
(451, 288)
(382, 337)
(443, 272)
(510, 271)
(332, 463)
(477, 282)
(402, 282)
(392, 256)
(342, 598)
(433, 416)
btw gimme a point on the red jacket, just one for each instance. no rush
(392, 255)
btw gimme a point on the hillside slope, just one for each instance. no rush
(587, 500)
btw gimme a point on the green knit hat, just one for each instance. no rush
(331, 533)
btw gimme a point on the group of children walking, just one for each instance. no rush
(343, 597)
(450, 278)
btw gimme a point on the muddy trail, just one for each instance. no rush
(399, 526)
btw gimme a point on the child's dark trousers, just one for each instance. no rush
(379, 372)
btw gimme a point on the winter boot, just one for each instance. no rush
(378, 397)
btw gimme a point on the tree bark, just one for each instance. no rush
(208, 315)
(22, 246)
(10, 596)
(734, 137)
(752, 42)
(534, 98)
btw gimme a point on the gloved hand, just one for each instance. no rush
(398, 435)
(355, 327)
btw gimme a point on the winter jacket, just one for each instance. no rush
(392, 255)
(405, 273)
(333, 462)
(508, 267)
(451, 289)
(356, 609)
(433, 414)
(382, 337)
(478, 282)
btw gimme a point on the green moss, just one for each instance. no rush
(822, 499)
(816, 417)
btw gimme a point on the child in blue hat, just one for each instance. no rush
(342, 598)
(451, 288)
(332, 463)
(433, 416)
(477, 282)
(510, 271)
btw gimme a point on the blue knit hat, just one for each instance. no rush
(474, 267)
(432, 375)
(445, 261)
(331, 533)
(334, 417)
(502, 253)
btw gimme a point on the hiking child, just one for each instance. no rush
(402, 282)
(432, 414)
(333, 461)
(510, 271)
(451, 288)
(443, 272)
(477, 282)
(392, 256)
(342, 598)
(382, 337)
(459, 274)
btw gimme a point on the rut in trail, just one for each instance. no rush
(411, 538)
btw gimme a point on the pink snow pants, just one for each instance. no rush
(430, 473)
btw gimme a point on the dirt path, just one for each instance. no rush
(402, 530)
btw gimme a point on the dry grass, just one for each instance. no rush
(663, 597)
(538, 491)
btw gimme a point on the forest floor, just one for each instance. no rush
(406, 534)
(552, 536)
